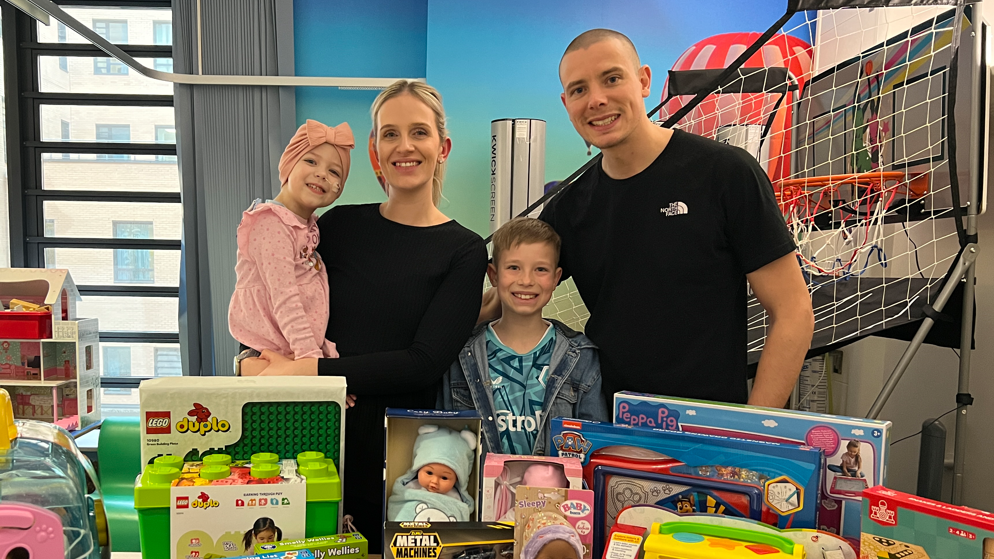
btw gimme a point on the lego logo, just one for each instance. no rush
(158, 422)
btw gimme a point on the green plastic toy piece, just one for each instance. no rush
(314, 470)
(739, 534)
(162, 475)
(309, 457)
(264, 471)
(215, 471)
(288, 428)
(169, 460)
(217, 460)
(265, 458)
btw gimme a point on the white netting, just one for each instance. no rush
(852, 135)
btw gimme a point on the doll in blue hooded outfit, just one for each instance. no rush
(434, 489)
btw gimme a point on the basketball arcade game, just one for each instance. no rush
(877, 153)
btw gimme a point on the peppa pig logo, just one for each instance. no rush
(646, 414)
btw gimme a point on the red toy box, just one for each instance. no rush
(25, 325)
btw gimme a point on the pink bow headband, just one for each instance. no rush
(312, 134)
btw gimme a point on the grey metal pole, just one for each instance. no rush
(963, 263)
(977, 161)
(931, 460)
(966, 343)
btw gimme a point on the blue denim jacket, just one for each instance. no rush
(573, 389)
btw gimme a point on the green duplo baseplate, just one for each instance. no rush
(287, 429)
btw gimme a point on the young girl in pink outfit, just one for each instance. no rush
(281, 294)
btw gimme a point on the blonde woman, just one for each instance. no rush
(405, 290)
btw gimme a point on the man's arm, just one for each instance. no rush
(779, 286)
(490, 309)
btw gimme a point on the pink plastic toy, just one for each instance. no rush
(502, 473)
(31, 529)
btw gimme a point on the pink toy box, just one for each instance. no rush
(546, 514)
(502, 473)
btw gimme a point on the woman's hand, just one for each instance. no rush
(350, 400)
(281, 366)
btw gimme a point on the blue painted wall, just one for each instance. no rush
(490, 60)
(356, 38)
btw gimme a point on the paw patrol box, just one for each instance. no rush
(856, 449)
(691, 473)
(448, 540)
(896, 525)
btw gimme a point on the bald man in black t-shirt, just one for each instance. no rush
(660, 237)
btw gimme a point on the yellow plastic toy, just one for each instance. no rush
(691, 540)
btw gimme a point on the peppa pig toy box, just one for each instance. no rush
(845, 440)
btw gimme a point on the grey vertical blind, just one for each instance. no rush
(229, 139)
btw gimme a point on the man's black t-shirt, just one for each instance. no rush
(660, 260)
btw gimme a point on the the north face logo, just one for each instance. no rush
(676, 208)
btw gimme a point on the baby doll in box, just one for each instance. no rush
(434, 489)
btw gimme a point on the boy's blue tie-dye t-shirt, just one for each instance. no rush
(519, 389)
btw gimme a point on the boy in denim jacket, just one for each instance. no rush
(521, 370)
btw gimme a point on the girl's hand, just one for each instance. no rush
(350, 400)
(281, 366)
(253, 366)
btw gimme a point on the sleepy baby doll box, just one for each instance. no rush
(558, 519)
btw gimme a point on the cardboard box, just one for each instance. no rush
(448, 540)
(840, 501)
(687, 472)
(896, 524)
(344, 546)
(281, 555)
(503, 472)
(190, 417)
(546, 514)
(401, 431)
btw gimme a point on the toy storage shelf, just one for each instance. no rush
(44, 383)
(63, 370)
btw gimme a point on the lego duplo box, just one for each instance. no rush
(192, 417)
(448, 540)
(896, 524)
(341, 546)
(844, 440)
